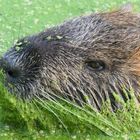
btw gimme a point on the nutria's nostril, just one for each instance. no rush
(8, 68)
(13, 73)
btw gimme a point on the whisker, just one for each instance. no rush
(100, 117)
(46, 105)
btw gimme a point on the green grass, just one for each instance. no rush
(50, 120)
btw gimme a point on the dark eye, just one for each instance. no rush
(96, 65)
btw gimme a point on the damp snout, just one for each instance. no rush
(9, 69)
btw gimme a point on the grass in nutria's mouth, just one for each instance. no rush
(57, 120)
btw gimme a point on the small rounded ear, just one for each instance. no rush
(128, 7)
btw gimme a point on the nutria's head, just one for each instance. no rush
(84, 60)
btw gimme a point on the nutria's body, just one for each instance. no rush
(84, 60)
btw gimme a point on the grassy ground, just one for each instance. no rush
(27, 121)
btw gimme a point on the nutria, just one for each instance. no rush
(84, 60)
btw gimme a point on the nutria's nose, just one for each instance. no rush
(10, 70)
(13, 73)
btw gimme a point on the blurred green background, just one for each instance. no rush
(21, 17)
